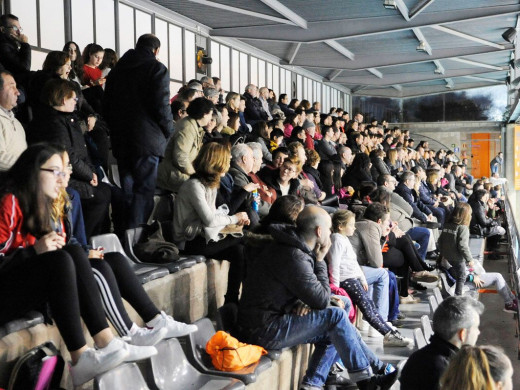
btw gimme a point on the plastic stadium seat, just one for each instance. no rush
(196, 353)
(433, 303)
(145, 272)
(162, 206)
(126, 376)
(132, 236)
(438, 295)
(427, 328)
(29, 320)
(170, 370)
(419, 338)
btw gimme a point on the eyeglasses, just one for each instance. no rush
(16, 28)
(55, 172)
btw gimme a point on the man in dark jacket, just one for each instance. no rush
(286, 301)
(455, 323)
(136, 107)
(283, 102)
(420, 211)
(254, 111)
(15, 51)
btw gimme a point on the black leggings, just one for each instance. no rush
(359, 297)
(394, 260)
(64, 280)
(95, 209)
(115, 279)
(410, 253)
(231, 249)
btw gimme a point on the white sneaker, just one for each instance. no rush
(174, 328)
(391, 325)
(95, 362)
(147, 336)
(364, 326)
(396, 339)
(372, 332)
(135, 353)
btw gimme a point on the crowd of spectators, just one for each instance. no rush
(275, 170)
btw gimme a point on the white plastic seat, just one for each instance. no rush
(427, 328)
(126, 376)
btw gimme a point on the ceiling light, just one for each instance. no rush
(509, 35)
(389, 4)
(422, 46)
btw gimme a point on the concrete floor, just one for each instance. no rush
(497, 327)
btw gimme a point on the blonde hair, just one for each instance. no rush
(229, 98)
(341, 218)
(392, 156)
(432, 177)
(295, 161)
(476, 368)
(212, 161)
(59, 206)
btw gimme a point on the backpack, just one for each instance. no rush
(153, 248)
(41, 368)
(229, 354)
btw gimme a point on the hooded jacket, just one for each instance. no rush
(281, 272)
(136, 105)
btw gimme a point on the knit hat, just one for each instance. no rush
(210, 92)
(308, 124)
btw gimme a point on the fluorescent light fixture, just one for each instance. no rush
(422, 46)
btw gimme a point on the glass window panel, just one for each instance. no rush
(261, 73)
(283, 88)
(253, 69)
(215, 55)
(82, 22)
(276, 80)
(161, 32)
(126, 28)
(175, 52)
(37, 58)
(189, 54)
(235, 64)
(143, 24)
(52, 17)
(25, 10)
(105, 24)
(243, 72)
(288, 84)
(310, 95)
(224, 68)
(299, 87)
(269, 83)
(174, 88)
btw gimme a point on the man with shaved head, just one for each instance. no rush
(286, 301)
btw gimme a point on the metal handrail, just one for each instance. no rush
(513, 238)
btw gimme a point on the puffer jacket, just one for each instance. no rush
(183, 147)
(281, 272)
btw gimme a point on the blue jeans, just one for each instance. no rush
(333, 336)
(377, 279)
(138, 177)
(421, 236)
(393, 292)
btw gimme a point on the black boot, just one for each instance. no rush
(378, 382)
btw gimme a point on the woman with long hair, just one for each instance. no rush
(358, 172)
(37, 267)
(197, 222)
(74, 52)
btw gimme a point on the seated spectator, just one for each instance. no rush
(211, 94)
(345, 272)
(482, 367)
(291, 121)
(283, 101)
(93, 81)
(212, 129)
(298, 135)
(480, 223)
(12, 134)
(284, 180)
(253, 110)
(326, 147)
(263, 96)
(15, 50)
(358, 172)
(176, 166)
(267, 194)
(310, 168)
(109, 61)
(38, 268)
(178, 110)
(261, 134)
(455, 323)
(197, 222)
(59, 124)
(279, 156)
(378, 165)
(76, 72)
(284, 211)
(277, 139)
(406, 190)
(282, 311)
(310, 131)
(427, 197)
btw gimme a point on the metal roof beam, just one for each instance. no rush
(440, 69)
(378, 61)
(403, 9)
(397, 87)
(242, 11)
(467, 36)
(481, 79)
(292, 52)
(418, 8)
(420, 37)
(289, 14)
(359, 27)
(340, 49)
(479, 64)
(375, 72)
(333, 75)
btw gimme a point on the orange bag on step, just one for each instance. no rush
(229, 354)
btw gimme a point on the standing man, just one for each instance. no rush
(12, 135)
(136, 107)
(15, 51)
(496, 164)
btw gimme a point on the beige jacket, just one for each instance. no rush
(12, 140)
(183, 147)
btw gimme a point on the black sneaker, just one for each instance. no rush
(378, 382)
